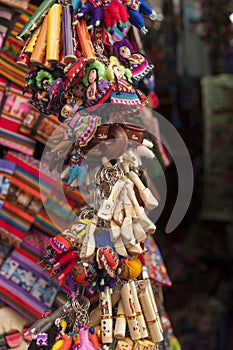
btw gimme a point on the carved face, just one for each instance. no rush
(66, 111)
(124, 51)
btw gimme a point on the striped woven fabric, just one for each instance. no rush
(35, 241)
(11, 49)
(46, 224)
(29, 179)
(15, 109)
(28, 170)
(19, 4)
(24, 198)
(25, 286)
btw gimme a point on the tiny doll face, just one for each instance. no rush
(124, 345)
(117, 72)
(79, 90)
(124, 51)
(92, 76)
(66, 111)
(45, 84)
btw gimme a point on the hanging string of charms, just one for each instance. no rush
(79, 58)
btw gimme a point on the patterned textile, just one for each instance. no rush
(155, 264)
(15, 109)
(45, 224)
(11, 49)
(35, 241)
(24, 199)
(39, 126)
(19, 4)
(24, 286)
(5, 249)
(83, 127)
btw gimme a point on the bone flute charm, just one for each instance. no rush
(88, 246)
(130, 312)
(120, 325)
(145, 277)
(106, 317)
(152, 319)
(138, 309)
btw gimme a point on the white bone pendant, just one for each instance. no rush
(145, 193)
(127, 234)
(115, 231)
(106, 210)
(118, 214)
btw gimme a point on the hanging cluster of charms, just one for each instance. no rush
(79, 56)
(79, 59)
(102, 253)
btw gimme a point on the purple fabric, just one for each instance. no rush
(96, 13)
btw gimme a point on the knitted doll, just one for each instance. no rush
(98, 88)
(136, 62)
(90, 9)
(115, 15)
(40, 98)
(137, 8)
(123, 90)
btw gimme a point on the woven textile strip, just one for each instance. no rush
(11, 49)
(15, 109)
(24, 199)
(24, 286)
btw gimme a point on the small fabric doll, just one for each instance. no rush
(137, 8)
(78, 92)
(55, 93)
(108, 261)
(135, 61)
(74, 101)
(98, 88)
(40, 98)
(92, 9)
(123, 90)
(73, 95)
(115, 15)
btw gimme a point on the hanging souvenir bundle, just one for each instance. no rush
(84, 69)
